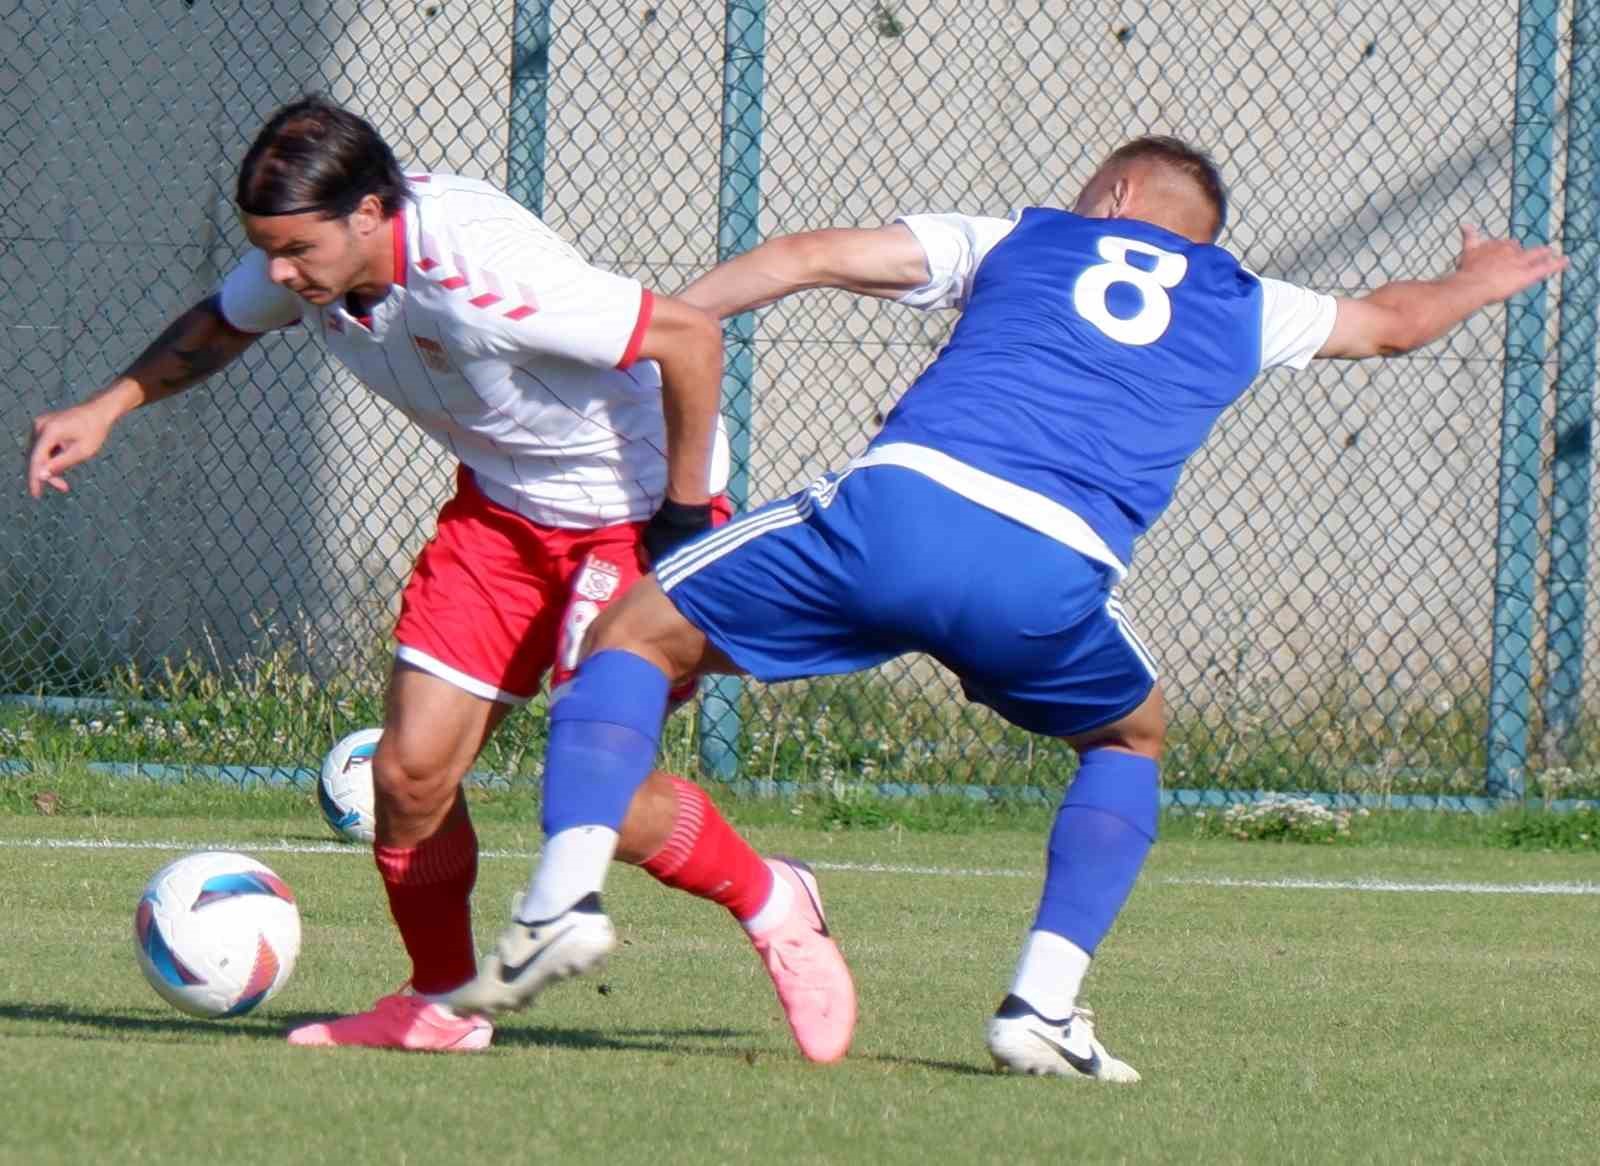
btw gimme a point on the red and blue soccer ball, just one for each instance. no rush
(217, 933)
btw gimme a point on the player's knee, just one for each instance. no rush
(1143, 731)
(409, 778)
(646, 623)
(1148, 742)
(609, 631)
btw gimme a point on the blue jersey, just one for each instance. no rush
(1091, 361)
(1093, 358)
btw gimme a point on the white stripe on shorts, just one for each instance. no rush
(1124, 624)
(432, 665)
(678, 566)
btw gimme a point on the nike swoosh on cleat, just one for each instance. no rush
(822, 919)
(510, 972)
(1089, 1066)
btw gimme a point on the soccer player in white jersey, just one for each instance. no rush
(583, 410)
(1095, 350)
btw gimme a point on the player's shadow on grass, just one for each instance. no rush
(155, 1026)
(707, 1042)
(692, 1042)
(174, 1026)
(638, 1040)
(961, 1067)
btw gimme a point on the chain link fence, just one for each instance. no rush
(1349, 593)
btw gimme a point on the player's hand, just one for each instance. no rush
(670, 527)
(1503, 266)
(62, 440)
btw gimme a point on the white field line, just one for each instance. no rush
(1220, 881)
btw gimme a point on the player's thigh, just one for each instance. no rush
(433, 730)
(480, 610)
(1072, 681)
(609, 601)
(645, 622)
(775, 592)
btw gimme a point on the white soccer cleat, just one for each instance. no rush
(1022, 1041)
(531, 956)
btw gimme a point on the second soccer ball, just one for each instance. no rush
(344, 789)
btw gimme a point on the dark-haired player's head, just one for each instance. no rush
(316, 193)
(1159, 180)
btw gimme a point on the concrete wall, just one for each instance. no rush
(1337, 533)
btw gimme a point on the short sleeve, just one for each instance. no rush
(251, 302)
(955, 245)
(551, 303)
(1295, 323)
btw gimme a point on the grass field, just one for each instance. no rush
(1272, 1023)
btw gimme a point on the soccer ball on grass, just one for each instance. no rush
(217, 933)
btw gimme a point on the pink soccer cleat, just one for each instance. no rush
(401, 1021)
(813, 983)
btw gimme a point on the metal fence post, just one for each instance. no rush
(1510, 664)
(1574, 408)
(738, 229)
(529, 112)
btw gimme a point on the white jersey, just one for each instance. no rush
(506, 348)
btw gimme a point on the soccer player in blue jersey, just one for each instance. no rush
(1095, 350)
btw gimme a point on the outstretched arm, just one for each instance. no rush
(885, 262)
(1405, 315)
(194, 346)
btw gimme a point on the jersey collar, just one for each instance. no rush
(398, 230)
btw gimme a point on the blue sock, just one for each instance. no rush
(603, 732)
(1106, 826)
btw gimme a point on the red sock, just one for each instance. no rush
(704, 856)
(430, 897)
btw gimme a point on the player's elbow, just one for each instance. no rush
(680, 330)
(701, 329)
(1405, 334)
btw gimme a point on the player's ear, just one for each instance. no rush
(368, 215)
(1121, 197)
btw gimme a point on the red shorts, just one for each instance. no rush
(496, 600)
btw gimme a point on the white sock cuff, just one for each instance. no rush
(572, 864)
(775, 910)
(1050, 973)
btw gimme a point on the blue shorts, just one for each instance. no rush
(876, 562)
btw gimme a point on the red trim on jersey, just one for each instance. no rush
(647, 307)
(399, 232)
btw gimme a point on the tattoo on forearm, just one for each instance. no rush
(160, 344)
(198, 363)
(199, 360)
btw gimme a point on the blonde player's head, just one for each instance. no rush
(316, 192)
(1159, 180)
